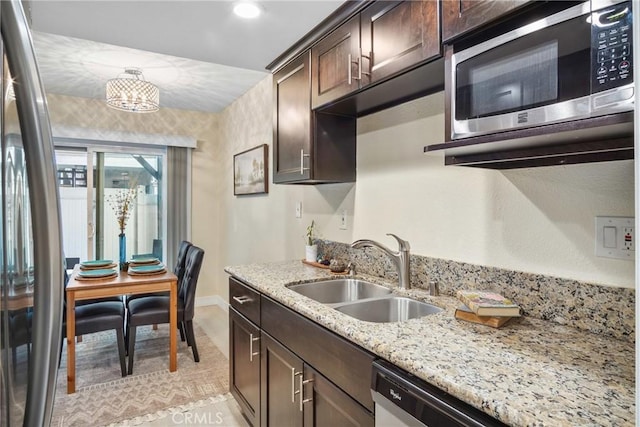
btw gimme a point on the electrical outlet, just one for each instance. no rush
(298, 209)
(615, 237)
(629, 238)
(343, 220)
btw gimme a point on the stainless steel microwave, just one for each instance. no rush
(576, 63)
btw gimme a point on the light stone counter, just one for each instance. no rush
(530, 372)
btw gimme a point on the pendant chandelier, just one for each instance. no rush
(130, 92)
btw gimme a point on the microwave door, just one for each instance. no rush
(533, 75)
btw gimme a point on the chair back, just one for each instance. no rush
(187, 286)
(69, 263)
(181, 259)
(157, 248)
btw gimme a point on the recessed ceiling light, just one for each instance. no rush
(246, 9)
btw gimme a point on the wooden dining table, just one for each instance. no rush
(122, 284)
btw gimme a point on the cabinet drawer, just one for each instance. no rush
(244, 300)
(343, 363)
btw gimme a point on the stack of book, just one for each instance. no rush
(485, 307)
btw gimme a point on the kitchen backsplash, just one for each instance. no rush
(587, 306)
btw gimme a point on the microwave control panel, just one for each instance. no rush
(611, 47)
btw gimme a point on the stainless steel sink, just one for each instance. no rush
(392, 309)
(340, 290)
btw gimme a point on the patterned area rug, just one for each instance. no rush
(103, 396)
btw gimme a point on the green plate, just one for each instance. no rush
(96, 263)
(97, 273)
(144, 259)
(147, 268)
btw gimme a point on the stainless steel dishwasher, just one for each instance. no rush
(401, 399)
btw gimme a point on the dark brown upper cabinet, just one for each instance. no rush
(397, 35)
(385, 38)
(292, 121)
(461, 16)
(334, 63)
(363, 58)
(309, 147)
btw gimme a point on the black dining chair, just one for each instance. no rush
(178, 270)
(151, 310)
(96, 316)
(19, 331)
(69, 263)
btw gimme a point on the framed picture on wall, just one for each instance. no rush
(251, 171)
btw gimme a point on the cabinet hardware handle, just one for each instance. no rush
(366, 73)
(302, 399)
(349, 77)
(358, 62)
(302, 156)
(294, 374)
(251, 352)
(242, 299)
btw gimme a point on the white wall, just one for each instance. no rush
(538, 220)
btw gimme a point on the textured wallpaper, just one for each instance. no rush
(94, 114)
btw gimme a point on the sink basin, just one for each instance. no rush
(392, 309)
(340, 290)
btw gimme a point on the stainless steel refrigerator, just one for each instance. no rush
(31, 270)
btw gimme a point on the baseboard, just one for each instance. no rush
(212, 300)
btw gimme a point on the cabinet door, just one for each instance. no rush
(292, 121)
(334, 63)
(326, 405)
(244, 365)
(280, 393)
(460, 16)
(397, 35)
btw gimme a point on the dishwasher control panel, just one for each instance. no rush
(402, 396)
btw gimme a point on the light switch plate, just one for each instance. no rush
(615, 237)
(343, 220)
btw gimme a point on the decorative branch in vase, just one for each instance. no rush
(122, 202)
(311, 249)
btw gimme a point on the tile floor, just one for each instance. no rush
(215, 322)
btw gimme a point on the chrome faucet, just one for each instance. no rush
(400, 259)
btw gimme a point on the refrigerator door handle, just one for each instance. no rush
(39, 152)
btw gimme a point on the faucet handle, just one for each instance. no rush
(434, 288)
(351, 268)
(403, 245)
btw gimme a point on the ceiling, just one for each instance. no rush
(200, 55)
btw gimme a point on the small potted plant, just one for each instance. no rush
(311, 249)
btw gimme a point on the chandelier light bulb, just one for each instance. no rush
(247, 10)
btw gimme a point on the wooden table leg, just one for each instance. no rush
(71, 345)
(173, 326)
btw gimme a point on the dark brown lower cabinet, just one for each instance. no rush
(244, 365)
(327, 405)
(281, 374)
(294, 394)
(286, 370)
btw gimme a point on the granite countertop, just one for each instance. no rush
(530, 372)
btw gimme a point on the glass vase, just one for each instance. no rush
(123, 251)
